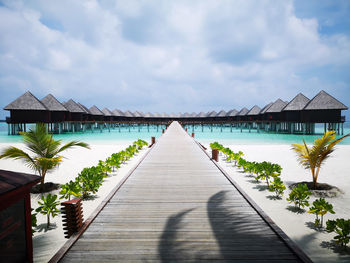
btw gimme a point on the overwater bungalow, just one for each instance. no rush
(242, 115)
(25, 109)
(108, 115)
(298, 116)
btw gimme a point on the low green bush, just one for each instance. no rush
(277, 186)
(48, 206)
(342, 228)
(72, 188)
(299, 195)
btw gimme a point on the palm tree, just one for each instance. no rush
(312, 158)
(44, 148)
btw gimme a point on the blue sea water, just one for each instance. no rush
(104, 137)
(224, 135)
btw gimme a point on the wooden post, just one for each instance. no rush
(192, 134)
(215, 154)
(153, 139)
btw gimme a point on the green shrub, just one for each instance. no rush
(269, 170)
(341, 227)
(48, 207)
(72, 188)
(90, 181)
(319, 208)
(299, 195)
(277, 186)
(34, 221)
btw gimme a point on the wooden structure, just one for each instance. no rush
(177, 206)
(15, 216)
(72, 215)
(298, 116)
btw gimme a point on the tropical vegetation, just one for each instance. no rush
(45, 151)
(342, 228)
(48, 206)
(313, 157)
(319, 208)
(299, 195)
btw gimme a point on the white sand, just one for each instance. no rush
(336, 171)
(47, 243)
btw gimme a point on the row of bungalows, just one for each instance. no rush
(297, 116)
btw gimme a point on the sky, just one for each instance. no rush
(174, 56)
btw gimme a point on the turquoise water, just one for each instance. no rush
(104, 137)
(225, 136)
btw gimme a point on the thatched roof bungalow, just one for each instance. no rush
(323, 108)
(253, 113)
(242, 114)
(96, 114)
(108, 115)
(76, 112)
(27, 109)
(274, 112)
(292, 112)
(57, 112)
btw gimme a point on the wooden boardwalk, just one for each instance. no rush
(178, 207)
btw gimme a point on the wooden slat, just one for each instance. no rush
(178, 206)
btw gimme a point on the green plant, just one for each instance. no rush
(104, 168)
(319, 208)
(342, 228)
(140, 143)
(277, 186)
(269, 170)
(299, 195)
(90, 181)
(48, 206)
(44, 148)
(72, 188)
(237, 156)
(34, 221)
(313, 158)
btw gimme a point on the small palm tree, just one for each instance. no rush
(312, 158)
(44, 148)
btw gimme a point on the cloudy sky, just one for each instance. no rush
(172, 56)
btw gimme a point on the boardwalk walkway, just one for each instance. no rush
(178, 207)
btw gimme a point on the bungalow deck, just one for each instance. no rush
(178, 206)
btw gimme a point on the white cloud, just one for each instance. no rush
(164, 55)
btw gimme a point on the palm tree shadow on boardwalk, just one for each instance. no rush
(240, 234)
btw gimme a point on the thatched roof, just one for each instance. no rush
(212, 114)
(148, 115)
(73, 107)
(118, 113)
(26, 102)
(232, 113)
(298, 103)
(185, 115)
(201, 114)
(52, 104)
(141, 113)
(128, 114)
(107, 112)
(243, 112)
(277, 106)
(137, 114)
(96, 111)
(193, 115)
(254, 111)
(85, 109)
(221, 113)
(263, 110)
(324, 101)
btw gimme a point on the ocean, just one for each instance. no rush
(224, 136)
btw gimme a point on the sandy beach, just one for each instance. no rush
(298, 227)
(47, 242)
(317, 244)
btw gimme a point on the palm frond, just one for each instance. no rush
(73, 144)
(18, 154)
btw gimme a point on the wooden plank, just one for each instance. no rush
(178, 206)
